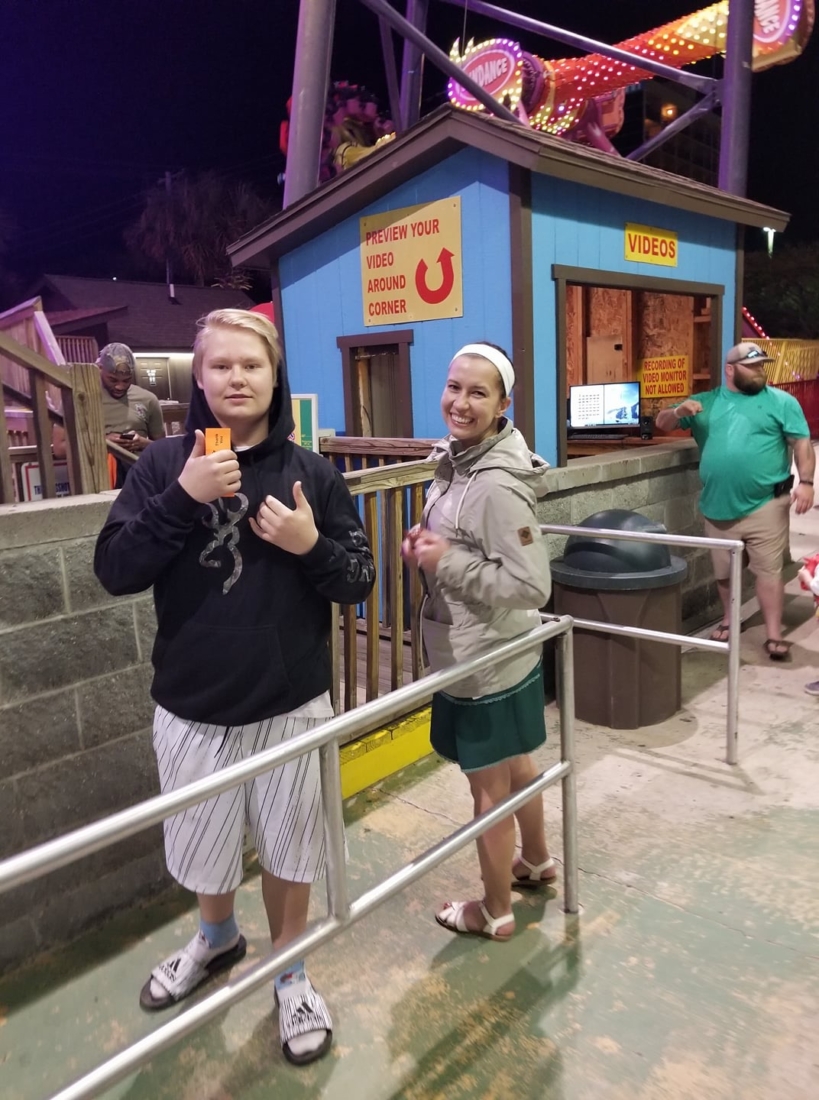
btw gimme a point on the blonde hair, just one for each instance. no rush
(241, 319)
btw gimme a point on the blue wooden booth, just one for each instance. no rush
(499, 229)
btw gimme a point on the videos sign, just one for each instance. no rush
(647, 245)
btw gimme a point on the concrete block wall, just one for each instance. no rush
(75, 721)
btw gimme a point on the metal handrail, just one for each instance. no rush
(342, 913)
(735, 547)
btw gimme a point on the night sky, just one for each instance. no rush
(98, 99)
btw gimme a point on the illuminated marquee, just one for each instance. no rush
(555, 95)
(775, 21)
(494, 65)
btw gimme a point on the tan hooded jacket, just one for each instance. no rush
(495, 576)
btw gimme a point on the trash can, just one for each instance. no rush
(621, 682)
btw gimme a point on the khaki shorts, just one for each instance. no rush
(765, 532)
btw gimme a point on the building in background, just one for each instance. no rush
(85, 314)
(693, 152)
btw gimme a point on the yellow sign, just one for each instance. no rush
(664, 376)
(411, 264)
(646, 245)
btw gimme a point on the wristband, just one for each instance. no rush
(804, 481)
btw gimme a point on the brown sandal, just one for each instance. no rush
(720, 633)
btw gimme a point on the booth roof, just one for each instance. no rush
(448, 130)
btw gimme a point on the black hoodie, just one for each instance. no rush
(243, 626)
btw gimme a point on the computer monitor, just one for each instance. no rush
(608, 405)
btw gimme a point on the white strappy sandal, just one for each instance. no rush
(533, 881)
(452, 918)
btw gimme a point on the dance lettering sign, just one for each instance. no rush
(646, 245)
(776, 20)
(411, 264)
(664, 376)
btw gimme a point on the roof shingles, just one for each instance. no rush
(150, 320)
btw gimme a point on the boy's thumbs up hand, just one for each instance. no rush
(291, 529)
(206, 477)
(199, 445)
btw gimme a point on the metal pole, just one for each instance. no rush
(734, 627)
(338, 904)
(736, 98)
(124, 1063)
(588, 45)
(565, 658)
(391, 71)
(650, 635)
(704, 107)
(660, 537)
(412, 65)
(168, 262)
(438, 58)
(311, 75)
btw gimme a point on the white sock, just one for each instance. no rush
(200, 949)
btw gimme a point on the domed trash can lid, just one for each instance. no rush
(592, 561)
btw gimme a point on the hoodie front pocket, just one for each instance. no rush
(210, 670)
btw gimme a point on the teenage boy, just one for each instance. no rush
(246, 548)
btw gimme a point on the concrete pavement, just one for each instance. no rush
(691, 974)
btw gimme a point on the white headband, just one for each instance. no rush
(496, 358)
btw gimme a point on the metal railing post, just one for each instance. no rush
(734, 627)
(338, 903)
(565, 679)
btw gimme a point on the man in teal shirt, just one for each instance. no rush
(745, 431)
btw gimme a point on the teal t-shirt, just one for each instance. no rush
(743, 442)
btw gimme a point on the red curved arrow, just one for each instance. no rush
(434, 297)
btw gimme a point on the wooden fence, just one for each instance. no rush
(392, 500)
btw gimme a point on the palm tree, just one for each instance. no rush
(194, 221)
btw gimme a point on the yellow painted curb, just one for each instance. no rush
(384, 752)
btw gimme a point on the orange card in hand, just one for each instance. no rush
(217, 439)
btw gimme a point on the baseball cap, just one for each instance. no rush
(748, 355)
(114, 357)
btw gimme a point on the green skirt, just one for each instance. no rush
(477, 733)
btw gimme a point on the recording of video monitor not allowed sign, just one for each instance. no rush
(411, 263)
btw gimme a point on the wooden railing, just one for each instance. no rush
(351, 452)
(78, 349)
(80, 392)
(392, 500)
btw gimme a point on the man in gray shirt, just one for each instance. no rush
(132, 415)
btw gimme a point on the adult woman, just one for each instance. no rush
(485, 571)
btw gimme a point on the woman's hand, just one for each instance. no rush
(408, 545)
(428, 549)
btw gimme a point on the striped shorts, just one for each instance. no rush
(282, 808)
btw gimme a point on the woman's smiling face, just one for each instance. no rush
(473, 400)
